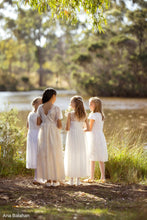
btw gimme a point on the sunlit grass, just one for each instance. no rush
(127, 158)
(125, 141)
(71, 213)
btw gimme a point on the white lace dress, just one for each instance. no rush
(50, 163)
(75, 160)
(96, 140)
(32, 140)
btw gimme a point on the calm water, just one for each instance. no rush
(125, 114)
(22, 101)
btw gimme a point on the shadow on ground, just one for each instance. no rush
(20, 199)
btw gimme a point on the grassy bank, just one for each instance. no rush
(127, 160)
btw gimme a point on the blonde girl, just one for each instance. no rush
(32, 137)
(75, 161)
(96, 141)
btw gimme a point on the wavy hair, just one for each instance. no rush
(80, 112)
(98, 106)
(47, 95)
(35, 100)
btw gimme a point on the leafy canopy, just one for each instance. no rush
(71, 10)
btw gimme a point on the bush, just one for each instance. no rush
(8, 82)
(82, 58)
(12, 144)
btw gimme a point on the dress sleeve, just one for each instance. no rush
(58, 113)
(92, 116)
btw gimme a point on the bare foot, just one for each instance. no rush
(89, 180)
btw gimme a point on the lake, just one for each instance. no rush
(22, 101)
(121, 113)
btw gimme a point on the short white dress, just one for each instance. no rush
(32, 141)
(50, 163)
(76, 160)
(96, 140)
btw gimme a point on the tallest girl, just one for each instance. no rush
(50, 164)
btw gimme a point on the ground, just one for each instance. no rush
(21, 199)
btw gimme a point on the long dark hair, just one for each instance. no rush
(47, 95)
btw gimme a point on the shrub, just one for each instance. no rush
(12, 144)
(8, 82)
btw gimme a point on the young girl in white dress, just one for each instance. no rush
(32, 137)
(75, 161)
(96, 141)
(50, 164)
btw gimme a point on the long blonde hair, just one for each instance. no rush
(80, 112)
(98, 105)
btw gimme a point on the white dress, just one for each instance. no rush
(32, 140)
(50, 163)
(96, 140)
(75, 160)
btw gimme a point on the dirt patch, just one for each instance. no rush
(22, 193)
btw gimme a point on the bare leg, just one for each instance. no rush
(78, 181)
(71, 181)
(92, 170)
(35, 176)
(102, 169)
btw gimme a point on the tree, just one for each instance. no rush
(138, 26)
(68, 9)
(30, 27)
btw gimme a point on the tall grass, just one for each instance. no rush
(127, 158)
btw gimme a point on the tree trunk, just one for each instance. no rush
(39, 55)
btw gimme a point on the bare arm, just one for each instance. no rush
(59, 124)
(87, 125)
(91, 124)
(68, 122)
(39, 121)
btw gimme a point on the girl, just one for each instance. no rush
(97, 142)
(75, 150)
(32, 137)
(50, 159)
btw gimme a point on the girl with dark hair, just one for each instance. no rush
(50, 165)
(76, 162)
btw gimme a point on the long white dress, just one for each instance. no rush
(32, 141)
(96, 140)
(50, 164)
(75, 160)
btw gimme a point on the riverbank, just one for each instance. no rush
(88, 201)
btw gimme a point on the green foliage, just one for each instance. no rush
(12, 144)
(25, 79)
(68, 10)
(115, 62)
(127, 159)
(82, 58)
(97, 45)
(117, 65)
(8, 82)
